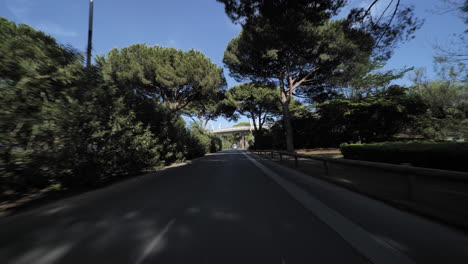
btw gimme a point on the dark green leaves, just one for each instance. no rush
(169, 75)
(258, 102)
(66, 125)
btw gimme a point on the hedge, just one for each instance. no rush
(437, 155)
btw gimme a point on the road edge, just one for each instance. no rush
(377, 251)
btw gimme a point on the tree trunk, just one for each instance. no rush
(201, 118)
(287, 122)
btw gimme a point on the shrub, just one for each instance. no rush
(263, 140)
(208, 143)
(63, 123)
(194, 147)
(216, 144)
(438, 155)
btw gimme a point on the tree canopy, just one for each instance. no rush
(368, 79)
(172, 76)
(298, 47)
(257, 102)
(208, 108)
(447, 99)
(67, 125)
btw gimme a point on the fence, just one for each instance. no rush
(440, 194)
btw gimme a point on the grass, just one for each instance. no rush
(321, 152)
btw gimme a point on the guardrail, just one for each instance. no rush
(404, 169)
(440, 194)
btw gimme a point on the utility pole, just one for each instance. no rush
(90, 34)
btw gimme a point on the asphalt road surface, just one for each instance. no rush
(228, 207)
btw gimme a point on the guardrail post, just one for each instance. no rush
(295, 161)
(325, 166)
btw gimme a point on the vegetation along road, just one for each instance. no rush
(227, 207)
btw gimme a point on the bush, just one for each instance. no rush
(374, 118)
(38, 80)
(262, 140)
(216, 144)
(109, 144)
(438, 155)
(205, 142)
(227, 140)
(195, 147)
(63, 123)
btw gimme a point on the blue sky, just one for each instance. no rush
(198, 24)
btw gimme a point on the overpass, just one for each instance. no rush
(229, 130)
(240, 129)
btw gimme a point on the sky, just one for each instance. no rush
(201, 25)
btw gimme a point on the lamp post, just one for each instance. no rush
(90, 34)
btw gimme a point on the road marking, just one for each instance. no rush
(155, 243)
(44, 255)
(375, 250)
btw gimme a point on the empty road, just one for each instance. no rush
(228, 207)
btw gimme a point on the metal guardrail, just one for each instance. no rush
(403, 169)
(439, 194)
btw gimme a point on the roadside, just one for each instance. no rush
(12, 203)
(438, 198)
(322, 152)
(420, 238)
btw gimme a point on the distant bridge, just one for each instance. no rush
(240, 129)
(232, 130)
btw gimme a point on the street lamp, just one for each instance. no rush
(90, 34)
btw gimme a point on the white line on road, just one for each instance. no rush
(376, 251)
(155, 244)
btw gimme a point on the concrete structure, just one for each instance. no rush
(239, 129)
(244, 131)
(231, 130)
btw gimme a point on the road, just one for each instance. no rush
(228, 207)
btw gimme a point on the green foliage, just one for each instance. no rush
(104, 139)
(63, 124)
(265, 140)
(241, 124)
(296, 46)
(263, 53)
(447, 98)
(259, 103)
(367, 79)
(36, 75)
(227, 140)
(387, 26)
(211, 106)
(172, 76)
(439, 155)
(373, 118)
(209, 143)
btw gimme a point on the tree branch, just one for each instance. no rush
(389, 23)
(385, 10)
(293, 87)
(368, 9)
